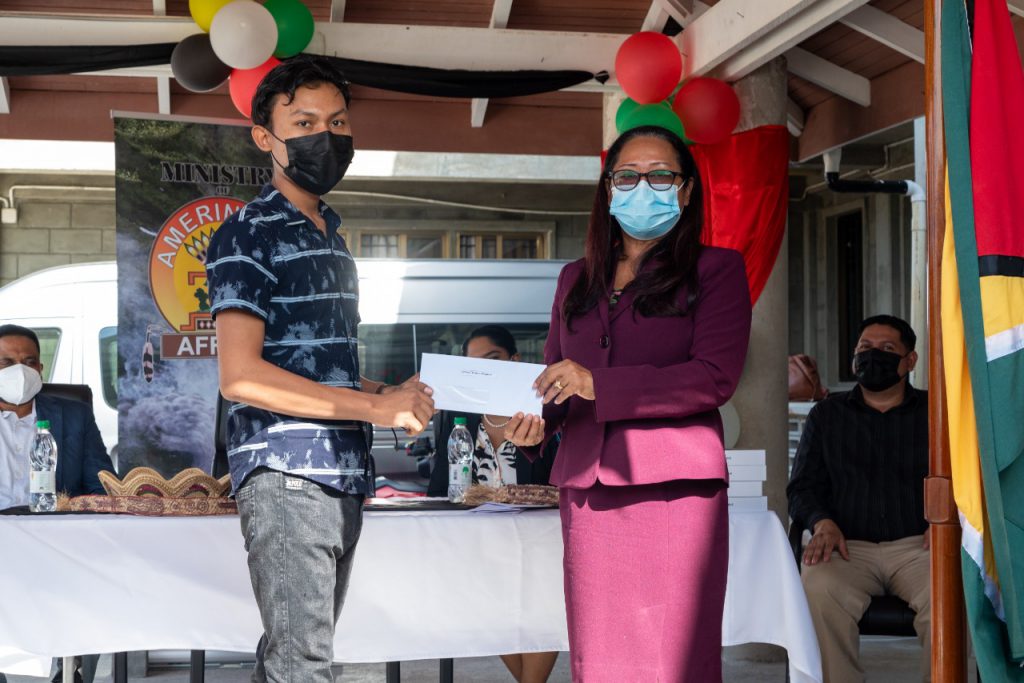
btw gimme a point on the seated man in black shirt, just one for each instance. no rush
(858, 484)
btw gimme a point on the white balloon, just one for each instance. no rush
(243, 34)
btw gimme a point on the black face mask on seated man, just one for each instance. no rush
(877, 370)
(318, 162)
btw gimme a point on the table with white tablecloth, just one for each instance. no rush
(425, 585)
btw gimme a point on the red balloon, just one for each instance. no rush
(243, 84)
(648, 66)
(708, 108)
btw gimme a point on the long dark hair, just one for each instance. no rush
(499, 336)
(673, 258)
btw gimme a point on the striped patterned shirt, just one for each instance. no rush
(270, 261)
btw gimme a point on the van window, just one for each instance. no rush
(391, 353)
(108, 365)
(49, 341)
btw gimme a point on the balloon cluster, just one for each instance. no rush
(241, 40)
(648, 66)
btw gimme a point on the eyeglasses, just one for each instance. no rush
(660, 179)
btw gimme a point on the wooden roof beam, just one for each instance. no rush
(656, 18)
(163, 83)
(829, 76)
(886, 29)
(735, 37)
(163, 94)
(682, 11)
(499, 19)
(337, 10)
(442, 47)
(795, 118)
(896, 96)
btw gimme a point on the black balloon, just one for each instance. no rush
(195, 65)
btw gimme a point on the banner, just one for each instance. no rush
(176, 182)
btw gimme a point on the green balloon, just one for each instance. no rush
(295, 26)
(627, 107)
(652, 115)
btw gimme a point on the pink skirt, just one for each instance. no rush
(645, 573)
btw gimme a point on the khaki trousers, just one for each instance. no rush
(839, 591)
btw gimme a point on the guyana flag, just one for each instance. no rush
(983, 321)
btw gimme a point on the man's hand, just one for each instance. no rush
(525, 430)
(408, 406)
(827, 537)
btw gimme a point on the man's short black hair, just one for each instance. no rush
(290, 75)
(907, 335)
(19, 331)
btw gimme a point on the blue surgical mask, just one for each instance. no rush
(644, 213)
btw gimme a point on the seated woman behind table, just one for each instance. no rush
(496, 462)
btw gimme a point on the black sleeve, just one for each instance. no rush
(438, 486)
(540, 469)
(809, 489)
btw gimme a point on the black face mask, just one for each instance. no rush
(318, 162)
(877, 370)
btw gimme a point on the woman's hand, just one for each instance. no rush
(525, 430)
(564, 379)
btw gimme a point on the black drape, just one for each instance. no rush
(415, 80)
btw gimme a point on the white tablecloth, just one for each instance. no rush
(425, 585)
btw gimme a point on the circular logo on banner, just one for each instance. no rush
(177, 263)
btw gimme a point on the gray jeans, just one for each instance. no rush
(301, 538)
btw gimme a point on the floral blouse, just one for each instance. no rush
(492, 468)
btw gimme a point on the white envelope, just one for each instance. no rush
(481, 385)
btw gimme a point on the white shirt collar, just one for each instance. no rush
(12, 416)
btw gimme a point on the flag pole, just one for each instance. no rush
(949, 644)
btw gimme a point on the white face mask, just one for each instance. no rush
(19, 384)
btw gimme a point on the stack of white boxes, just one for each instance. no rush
(747, 473)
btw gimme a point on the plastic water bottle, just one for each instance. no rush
(43, 477)
(460, 461)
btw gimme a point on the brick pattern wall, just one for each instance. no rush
(55, 232)
(57, 227)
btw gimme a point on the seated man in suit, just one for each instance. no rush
(858, 485)
(80, 451)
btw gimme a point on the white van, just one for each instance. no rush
(73, 309)
(407, 308)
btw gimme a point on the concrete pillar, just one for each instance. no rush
(761, 400)
(763, 393)
(612, 100)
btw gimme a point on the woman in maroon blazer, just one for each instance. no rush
(648, 337)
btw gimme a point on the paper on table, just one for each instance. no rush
(498, 507)
(481, 385)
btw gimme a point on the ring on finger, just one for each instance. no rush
(559, 385)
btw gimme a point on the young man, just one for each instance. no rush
(284, 293)
(858, 484)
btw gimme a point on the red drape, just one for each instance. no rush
(746, 186)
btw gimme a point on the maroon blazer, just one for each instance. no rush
(658, 382)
